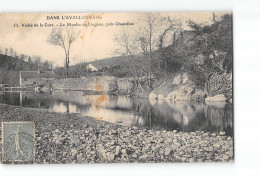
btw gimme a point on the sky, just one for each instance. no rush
(92, 43)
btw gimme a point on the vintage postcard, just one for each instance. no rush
(144, 87)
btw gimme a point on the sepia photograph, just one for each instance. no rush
(125, 87)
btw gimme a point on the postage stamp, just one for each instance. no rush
(18, 141)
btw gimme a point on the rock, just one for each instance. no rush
(177, 80)
(60, 141)
(76, 142)
(153, 148)
(176, 144)
(211, 56)
(222, 133)
(79, 156)
(198, 96)
(181, 93)
(152, 95)
(217, 98)
(199, 60)
(57, 131)
(168, 151)
(193, 133)
(124, 151)
(225, 157)
(200, 160)
(191, 160)
(205, 135)
(110, 156)
(218, 59)
(185, 78)
(183, 159)
(143, 157)
(74, 152)
(118, 150)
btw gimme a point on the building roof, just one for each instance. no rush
(92, 67)
(47, 74)
(36, 74)
(29, 74)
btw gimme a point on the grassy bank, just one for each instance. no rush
(70, 138)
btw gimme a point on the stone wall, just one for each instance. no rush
(96, 83)
(125, 85)
(33, 81)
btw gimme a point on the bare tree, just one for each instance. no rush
(151, 33)
(11, 52)
(63, 37)
(6, 51)
(79, 61)
(171, 25)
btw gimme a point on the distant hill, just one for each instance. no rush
(119, 66)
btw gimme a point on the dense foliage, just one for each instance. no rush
(11, 66)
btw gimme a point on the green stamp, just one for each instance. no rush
(18, 141)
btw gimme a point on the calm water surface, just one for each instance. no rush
(155, 114)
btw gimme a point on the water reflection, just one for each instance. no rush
(156, 114)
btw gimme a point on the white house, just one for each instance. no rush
(91, 67)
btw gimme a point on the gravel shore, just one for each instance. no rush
(71, 138)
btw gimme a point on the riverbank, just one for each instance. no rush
(71, 138)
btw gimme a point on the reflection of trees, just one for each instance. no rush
(10, 98)
(183, 116)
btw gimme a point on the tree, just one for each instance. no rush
(6, 51)
(79, 66)
(63, 37)
(12, 52)
(46, 65)
(22, 57)
(127, 46)
(37, 61)
(153, 32)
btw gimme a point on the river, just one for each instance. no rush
(143, 113)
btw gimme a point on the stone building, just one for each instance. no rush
(29, 78)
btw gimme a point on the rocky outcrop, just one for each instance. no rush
(217, 58)
(182, 93)
(217, 98)
(219, 88)
(180, 79)
(181, 89)
(199, 60)
(220, 84)
(198, 96)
